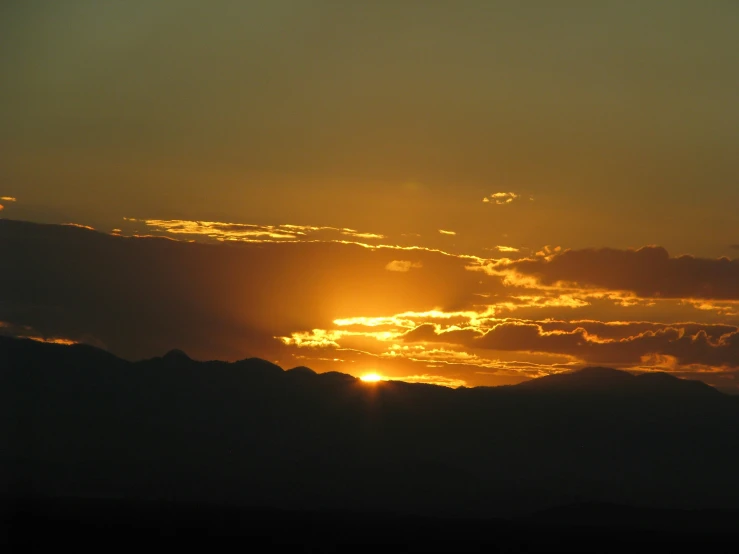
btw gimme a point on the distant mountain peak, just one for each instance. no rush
(600, 371)
(303, 370)
(586, 379)
(176, 355)
(597, 379)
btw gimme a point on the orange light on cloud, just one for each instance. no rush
(501, 198)
(403, 266)
(54, 340)
(80, 226)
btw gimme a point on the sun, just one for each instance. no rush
(371, 378)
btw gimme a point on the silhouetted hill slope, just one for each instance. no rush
(613, 381)
(77, 421)
(588, 379)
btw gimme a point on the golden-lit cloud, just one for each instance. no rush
(79, 226)
(342, 305)
(506, 248)
(699, 347)
(426, 379)
(53, 340)
(249, 232)
(445, 232)
(403, 266)
(542, 301)
(432, 380)
(202, 231)
(357, 235)
(28, 332)
(8, 199)
(501, 198)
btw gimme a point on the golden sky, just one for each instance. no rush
(466, 193)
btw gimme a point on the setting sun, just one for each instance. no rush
(371, 378)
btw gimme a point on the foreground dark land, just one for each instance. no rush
(30, 524)
(173, 439)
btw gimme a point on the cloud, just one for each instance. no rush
(8, 198)
(28, 332)
(250, 232)
(648, 272)
(429, 332)
(213, 232)
(617, 330)
(340, 305)
(686, 344)
(357, 235)
(79, 226)
(445, 232)
(501, 198)
(403, 265)
(222, 300)
(432, 380)
(506, 249)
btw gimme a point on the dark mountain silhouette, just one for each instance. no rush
(176, 356)
(77, 421)
(589, 379)
(613, 381)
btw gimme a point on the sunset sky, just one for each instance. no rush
(461, 193)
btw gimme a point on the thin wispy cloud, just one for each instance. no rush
(208, 231)
(403, 266)
(250, 232)
(8, 198)
(445, 232)
(432, 380)
(79, 226)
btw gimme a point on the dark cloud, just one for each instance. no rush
(648, 272)
(144, 296)
(625, 329)
(686, 344)
(140, 297)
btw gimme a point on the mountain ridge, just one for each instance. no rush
(82, 422)
(586, 379)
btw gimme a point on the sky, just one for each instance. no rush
(465, 193)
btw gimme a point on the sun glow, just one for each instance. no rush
(371, 378)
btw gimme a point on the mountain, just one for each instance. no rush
(595, 380)
(78, 421)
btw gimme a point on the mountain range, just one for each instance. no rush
(78, 421)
